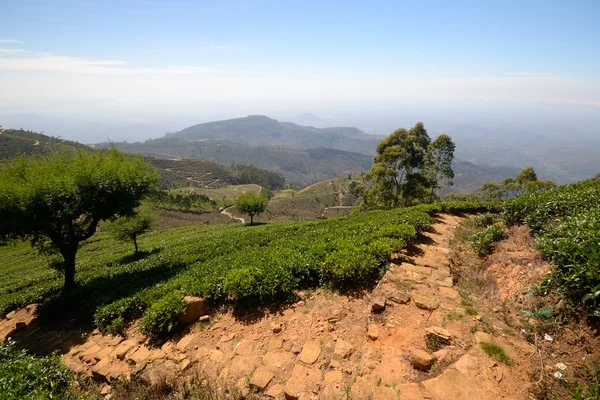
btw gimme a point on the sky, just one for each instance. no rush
(184, 60)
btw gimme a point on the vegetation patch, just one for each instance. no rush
(483, 242)
(496, 352)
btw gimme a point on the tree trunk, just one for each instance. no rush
(69, 257)
(135, 244)
(251, 219)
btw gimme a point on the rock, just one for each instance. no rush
(204, 318)
(421, 360)
(361, 389)
(195, 307)
(310, 352)
(303, 380)
(377, 304)
(399, 298)
(123, 349)
(104, 371)
(439, 336)
(244, 348)
(425, 302)
(277, 360)
(216, 356)
(275, 343)
(184, 342)
(141, 354)
(115, 340)
(11, 315)
(373, 332)
(276, 327)
(242, 388)
(482, 337)
(295, 348)
(343, 349)
(139, 368)
(384, 393)
(332, 377)
(227, 338)
(185, 363)
(106, 389)
(260, 379)
(449, 293)
(410, 391)
(275, 391)
(440, 355)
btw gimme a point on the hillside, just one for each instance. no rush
(15, 141)
(258, 130)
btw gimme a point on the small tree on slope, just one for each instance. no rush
(251, 203)
(129, 227)
(64, 197)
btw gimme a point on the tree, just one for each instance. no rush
(251, 203)
(395, 175)
(64, 197)
(129, 227)
(526, 182)
(438, 162)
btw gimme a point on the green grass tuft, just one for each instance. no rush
(496, 352)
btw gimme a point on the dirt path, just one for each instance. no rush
(331, 346)
(230, 215)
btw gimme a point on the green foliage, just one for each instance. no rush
(64, 197)
(27, 377)
(181, 201)
(525, 182)
(114, 317)
(496, 352)
(406, 165)
(160, 319)
(129, 227)
(251, 203)
(483, 242)
(485, 220)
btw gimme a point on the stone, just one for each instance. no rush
(195, 307)
(104, 353)
(275, 343)
(361, 389)
(333, 377)
(295, 348)
(439, 336)
(373, 332)
(276, 327)
(399, 298)
(310, 352)
(185, 363)
(104, 371)
(242, 388)
(204, 318)
(335, 364)
(216, 356)
(275, 391)
(421, 360)
(482, 337)
(449, 293)
(184, 342)
(115, 340)
(277, 360)
(445, 386)
(106, 389)
(377, 304)
(343, 349)
(384, 393)
(11, 315)
(123, 349)
(260, 379)
(227, 338)
(303, 380)
(244, 348)
(425, 302)
(410, 391)
(141, 354)
(440, 355)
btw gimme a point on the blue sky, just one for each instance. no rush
(300, 55)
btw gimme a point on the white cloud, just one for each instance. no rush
(9, 41)
(12, 51)
(51, 62)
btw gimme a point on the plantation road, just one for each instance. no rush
(415, 336)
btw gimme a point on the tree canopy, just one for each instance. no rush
(63, 197)
(129, 227)
(406, 164)
(526, 182)
(251, 203)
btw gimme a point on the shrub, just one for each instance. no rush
(485, 220)
(483, 242)
(113, 317)
(24, 376)
(496, 352)
(349, 264)
(161, 318)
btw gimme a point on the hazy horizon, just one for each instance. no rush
(376, 67)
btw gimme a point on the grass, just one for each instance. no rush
(470, 311)
(496, 352)
(454, 316)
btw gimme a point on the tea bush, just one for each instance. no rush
(27, 377)
(483, 242)
(161, 318)
(113, 318)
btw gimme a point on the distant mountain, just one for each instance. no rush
(14, 142)
(258, 130)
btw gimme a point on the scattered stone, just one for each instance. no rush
(421, 360)
(361, 389)
(440, 355)
(106, 389)
(11, 315)
(296, 348)
(276, 327)
(123, 349)
(409, 391)
(275, 391)
(438, 335)
(185, 363)
(343, 349)
(277, 360)
(482, 337)
(449, 293)
(261, 378)
(373, 332)
(384, 393)
(310, 352)
(332, 377)
(242, 388)
(303, 380)
(228, 338)
(115, 341)
(377, 304)
(275, 343)
(216, 356)
(141, 354)
(399, 298)
(204, 318)
(425, 302)
(244, 348)
(195, 308)
(139, 368)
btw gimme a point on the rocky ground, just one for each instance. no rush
(416, 336)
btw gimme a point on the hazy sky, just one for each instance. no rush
(231, 58)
